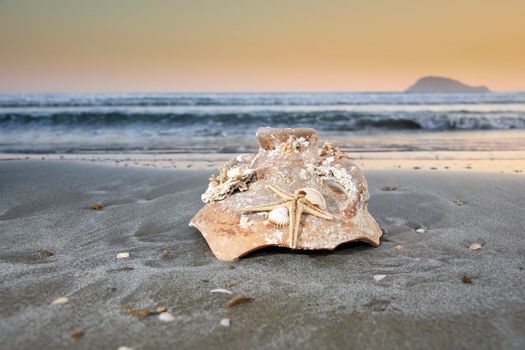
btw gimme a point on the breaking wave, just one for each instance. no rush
(322, 120)
(34, 123)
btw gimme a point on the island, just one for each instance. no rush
(439, 84)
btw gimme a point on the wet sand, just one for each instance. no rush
(301, 300)
(501, 162)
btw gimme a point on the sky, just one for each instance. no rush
(258, 45)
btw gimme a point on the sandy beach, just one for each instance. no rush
(249, 175)
(436, 292)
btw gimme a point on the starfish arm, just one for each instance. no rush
(298, 212)
(291, 225)
(264, 207)
(317, 212)
(280, 193)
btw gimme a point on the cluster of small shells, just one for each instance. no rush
(231, 179)
(337, 175)
(334, 175)
(329, 150)
(293, 145)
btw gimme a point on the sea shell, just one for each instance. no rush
(166, 317)
(230, 180)
(289, 160)
(313, 196)
(279, 217)
(239, 172)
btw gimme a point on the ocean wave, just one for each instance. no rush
(227, 122)
(322, 120)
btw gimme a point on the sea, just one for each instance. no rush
(227, 122)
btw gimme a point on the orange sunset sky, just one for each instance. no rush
(248, 45)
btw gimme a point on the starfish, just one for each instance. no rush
(296, 204)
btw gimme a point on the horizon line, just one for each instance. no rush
(247, 92)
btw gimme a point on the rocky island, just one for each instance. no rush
(439, 84)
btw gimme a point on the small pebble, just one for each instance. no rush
(47, 254)
(421, 230)
(161, 309)
(225, 322)
(378, 278)
(398, 247)
(230, 283)
(467, 279)
(474, 246)
(166, 317)
(124, 348)
(96, 206)
(76, 335)
(60, 301)
(238, 299)
(123, 255)
(139, 313)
